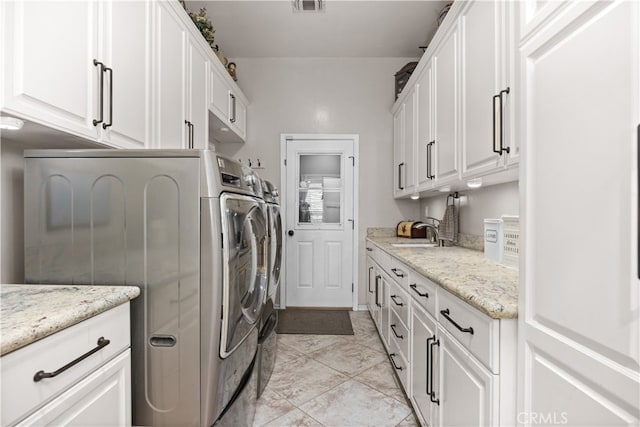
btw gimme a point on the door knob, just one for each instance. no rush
(290, 233)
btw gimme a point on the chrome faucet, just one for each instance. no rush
(432, 230)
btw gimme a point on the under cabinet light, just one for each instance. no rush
(474, 183)
(415, 196)
(10, 123)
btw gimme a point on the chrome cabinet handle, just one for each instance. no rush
(40, 375)
(445, 313)
(415, 289)
(393, 298)
(393, 361)
(393, 328)
(430, 145)
(110, 71)
(498, 124)
(101, 67)
(233, 108)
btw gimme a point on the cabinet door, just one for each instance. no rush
(101, 399)
(424, 136)
(579, 323)
(384, 309)
(197, 95)
(468, 392)
(50, 76)
(238, 115)
(481, 72)
(398, 162)
(446, 72)
(169, 75)
(127, 53)
(423, 334)
(219, 95)
(371, 284)
(408, 141)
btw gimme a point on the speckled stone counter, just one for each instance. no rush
(29, 313)
(486, 285)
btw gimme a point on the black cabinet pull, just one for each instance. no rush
(110, 71)
(233, 108)
(498, 124)
(101, 65)
(400, 176)
(415, 289)
(186, 122)
(191, 132)
(430, 174)
(395, 271)
(40, 375)
(393, 328)
(445, 313)
(369, 249)
(378, 277)
(393, 361)
(369, 284)
(432, 394)
(428, 366)
(393, 298)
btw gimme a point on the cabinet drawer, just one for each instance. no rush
(423, 292)
(399, 363)
(474, 330)
(400, 333)
(55, 351)
(399, 302)
(399, 272)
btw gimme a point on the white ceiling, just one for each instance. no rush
(270, 28)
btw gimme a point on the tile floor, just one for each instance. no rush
(334, 380)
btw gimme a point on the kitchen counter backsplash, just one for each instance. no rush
(29, 313)
(485, 284)
(381, 232)
(471, 241)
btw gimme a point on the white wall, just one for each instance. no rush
(488, 202)
(327, 95)
(11, 216)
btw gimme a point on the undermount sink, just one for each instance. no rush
(414, 245)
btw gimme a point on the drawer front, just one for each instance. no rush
(400, 333)
(55, 351)
(423, 291)
(399, 272)
(476, 331)
(399, 302)
(399, 363)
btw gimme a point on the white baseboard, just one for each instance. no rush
(363, 307)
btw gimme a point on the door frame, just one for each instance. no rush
(355, 139)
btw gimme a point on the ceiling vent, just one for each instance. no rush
(308, 5)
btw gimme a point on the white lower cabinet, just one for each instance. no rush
(101, 399)
(457, 365)
(91, 381)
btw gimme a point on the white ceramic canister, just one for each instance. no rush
(493, 239)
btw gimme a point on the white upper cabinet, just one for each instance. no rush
(404, 144)
(579, 322)
(126, 51)
(485, 88)
(446, 71)
(82, 71)
(398, 146)
(198, 101)
(49, 75)
(424, 139)
(227, 105)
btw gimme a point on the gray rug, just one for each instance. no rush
(314, 322)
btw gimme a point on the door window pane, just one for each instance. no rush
(320, 189)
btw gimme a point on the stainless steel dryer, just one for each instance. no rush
(190, 229)
(267, 344)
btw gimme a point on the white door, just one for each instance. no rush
(127, 44)
(446, 71)
(423, 333)
(579, 309)
(320, 222)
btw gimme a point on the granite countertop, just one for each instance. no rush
(29, 313)
(487, 285)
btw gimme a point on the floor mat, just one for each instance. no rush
(314, 322)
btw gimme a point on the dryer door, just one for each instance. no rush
(244, 231)
(275, 241)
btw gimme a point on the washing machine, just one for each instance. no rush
(267, 344)
(190, 228)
